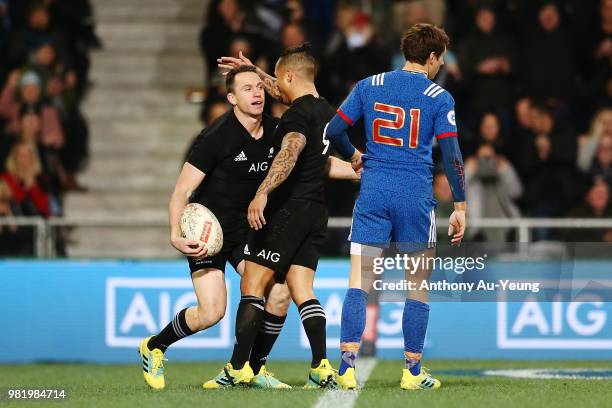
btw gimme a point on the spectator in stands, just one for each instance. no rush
(227, 20)
(60, 86)
(522, 112)
(23, 92)
(352, 55)
(39, 29)
(310, 29)
(292, 35)
(548, 60)
(488, 61)
(547, 165)
(593, 148)
(596, 205)
(24, 178)
(521, 130)
(76, 20)
(51, 165)
(602, 166)
(490, 132)
(224, 21)
(492, 186)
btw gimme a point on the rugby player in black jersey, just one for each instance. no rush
(224, 168)
(288, 215)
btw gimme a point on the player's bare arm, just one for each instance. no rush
(189, 179)
(268, 80)
(341, 170)
(284, 162)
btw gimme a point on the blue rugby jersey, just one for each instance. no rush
(403, 111)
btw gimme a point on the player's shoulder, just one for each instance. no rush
(436, 92)
(219, 127)
(306, 107)
(375, 80)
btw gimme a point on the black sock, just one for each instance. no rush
(173, 332)
(248, 321)
(313, 320)
(268, 333)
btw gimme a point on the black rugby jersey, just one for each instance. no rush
(307, 115)
(235, 164)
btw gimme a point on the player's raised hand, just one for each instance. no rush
(255, 214)
(457, 223)
(232, 62)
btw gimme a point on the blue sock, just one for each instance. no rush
(353, 324)
(414, 326)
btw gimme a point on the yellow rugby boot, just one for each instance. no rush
(228, 377)
(152, 365)
(265, 379)
(322, 376)
(423, 381)
(347, 381)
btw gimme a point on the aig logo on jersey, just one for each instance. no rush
(257, 167)
(269, 255)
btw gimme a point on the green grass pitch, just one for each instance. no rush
(118, 386)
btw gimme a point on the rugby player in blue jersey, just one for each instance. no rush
(403, 111)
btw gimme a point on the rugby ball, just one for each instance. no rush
(198, 223)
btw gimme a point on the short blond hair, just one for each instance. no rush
(11, 160)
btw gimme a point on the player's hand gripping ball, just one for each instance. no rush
(198, 223)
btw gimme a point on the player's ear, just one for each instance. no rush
(231, 98)
(432, 57)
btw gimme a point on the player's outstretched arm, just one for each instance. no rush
(284, 162)
(342, 170)
(189, 179)
(268, 80)
(453, 167)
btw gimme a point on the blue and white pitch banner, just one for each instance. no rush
(98, 311)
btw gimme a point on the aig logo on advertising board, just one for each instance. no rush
(580, 324)
(139, 307)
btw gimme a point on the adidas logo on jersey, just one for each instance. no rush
(433, 90)
(246, 250)
(271, 152)
(378, 79)
(241, 157)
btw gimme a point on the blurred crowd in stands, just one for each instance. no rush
(531, 79)
(44, 63)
